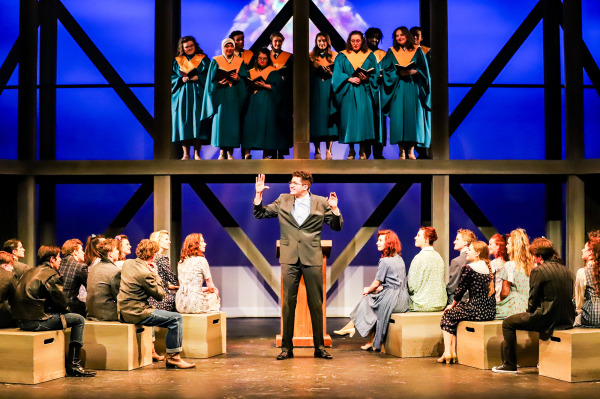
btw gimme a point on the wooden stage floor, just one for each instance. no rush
(249, 369)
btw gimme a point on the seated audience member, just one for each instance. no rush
(477, 278)
(104, 280)
(140, 281)
(7, 288)
(386, 295)
(587, 286)
(497, 247)
(550, 304)
(74, 273)
(91, 257)
(124, 247)
(163, 266)
(15, 247)
(514, 276)
(193, 270)
(40, 305)
(463, 239)
(427, 275)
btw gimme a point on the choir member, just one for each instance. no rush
(261, 128)
(283, 63)
(374, 36)
(406, 93)
(188, 80)
(355, 92)
(224, 98)
(322, 127)
(238, 39)
(418, 35)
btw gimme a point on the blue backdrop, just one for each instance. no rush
(92, 123)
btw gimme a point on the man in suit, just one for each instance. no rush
(301, 217)
(550, 303)
(464, 238)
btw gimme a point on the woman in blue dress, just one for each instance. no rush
(386, 295)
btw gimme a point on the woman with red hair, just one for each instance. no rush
(386, 295)
(587, 286)
(192, 296)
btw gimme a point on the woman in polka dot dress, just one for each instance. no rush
(478, 279)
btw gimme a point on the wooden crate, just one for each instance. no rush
(111, 345)
(414, 334)
(204, 335)
(571, 355)
(31, 357)
(478, 344)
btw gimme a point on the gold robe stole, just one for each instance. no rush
(425, 49)
(403, 57)
(379, 54)
(236, 63)
(280, 61)
(186, 65)
(356, 59)
(255, 73)
(246, 56)
(323, 60)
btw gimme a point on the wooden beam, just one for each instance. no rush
(9, 64)
(105, 68)
(473, 211)
(126, 214)
(27, 102)
(440, 128)
(301, 90)
(276, 25)
(496, 66)
(575, 231)
(238, 235)
(366, 232)
(574, 127)
(323, 24)
(26, 223)
(440, 211)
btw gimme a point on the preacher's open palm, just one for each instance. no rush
(260, 184)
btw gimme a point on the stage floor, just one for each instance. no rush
(249, 369)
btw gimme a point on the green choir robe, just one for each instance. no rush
(355, 102)
(322, 109)
(186, 101)
(223, 105)
(407, 99)
(261, 128)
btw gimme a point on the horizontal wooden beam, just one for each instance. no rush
(324, 171)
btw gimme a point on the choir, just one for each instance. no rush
(243, 99)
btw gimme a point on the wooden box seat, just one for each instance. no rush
(31, 357)
(111, 345)
(571, 355)
(478, 344)
(414, 334)
(204, 335)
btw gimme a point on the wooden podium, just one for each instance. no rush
(303, 336)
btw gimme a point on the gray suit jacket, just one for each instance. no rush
(104, 280)
(300, 242)
(456, 266)
(138, 283)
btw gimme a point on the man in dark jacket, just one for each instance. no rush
(39, 304)
(550, 303)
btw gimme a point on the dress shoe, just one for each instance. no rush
(445, 359)
(346, 331)
(322, 354)
(176, 362)
(73, 365)
(285, 354)
(156, 357)
(367, 347)
(505, 369)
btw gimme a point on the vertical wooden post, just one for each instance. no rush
(440, 211)
(301, 94)
(575, 222)
(26, 197)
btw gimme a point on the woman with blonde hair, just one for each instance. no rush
(193, 269)
(163, 267)
(514, 293)
(477, 278)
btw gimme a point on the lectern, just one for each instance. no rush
(303, 336)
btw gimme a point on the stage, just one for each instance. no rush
(249, 369)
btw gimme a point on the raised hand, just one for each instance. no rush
(260, 184)
(332, 201)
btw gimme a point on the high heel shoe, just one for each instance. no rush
(454, 359)
(367, 347)
(445, 359)
(350, 331)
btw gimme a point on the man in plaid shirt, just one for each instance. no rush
(74, 273)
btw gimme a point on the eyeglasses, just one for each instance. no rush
(293, 183)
